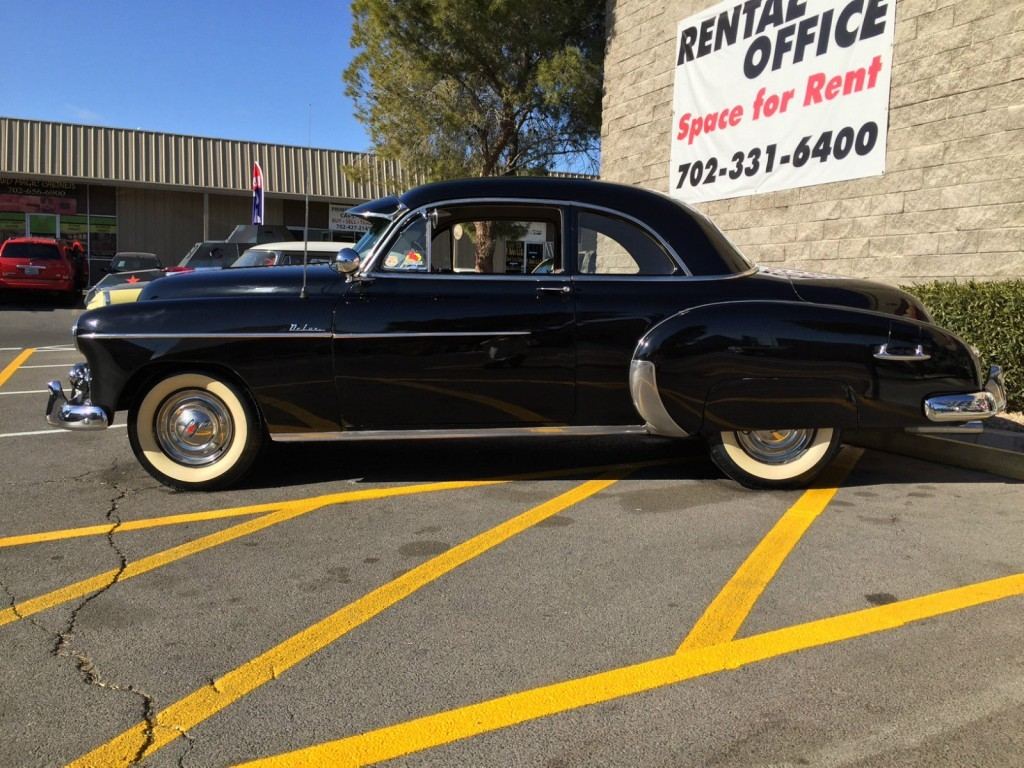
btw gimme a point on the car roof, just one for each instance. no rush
(134, 253)
(297, 246)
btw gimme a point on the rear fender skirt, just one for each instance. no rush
(786, 364)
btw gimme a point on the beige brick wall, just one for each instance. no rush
(951, 201)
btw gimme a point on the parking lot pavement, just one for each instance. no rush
(513, 602)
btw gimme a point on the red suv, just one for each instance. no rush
(37, 264)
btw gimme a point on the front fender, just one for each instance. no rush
(277, 347)
(785, 364)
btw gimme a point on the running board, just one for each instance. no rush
(456, 434)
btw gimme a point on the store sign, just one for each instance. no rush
(777, 94)
(28, 196)
(13, 186)
(532, 231)
(339, 221)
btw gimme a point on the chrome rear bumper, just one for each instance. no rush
(971, 405)
(78, 412)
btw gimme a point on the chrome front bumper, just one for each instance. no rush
(972, 405)
(78, 412)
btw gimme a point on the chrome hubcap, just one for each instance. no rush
(193, 427)
(776, 446)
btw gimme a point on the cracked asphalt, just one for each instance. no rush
(186, 641)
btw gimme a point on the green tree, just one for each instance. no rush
(456, 88)
(478, 87)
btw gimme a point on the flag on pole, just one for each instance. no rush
(257, 194)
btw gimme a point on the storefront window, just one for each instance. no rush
(100, 230)
(11, 225)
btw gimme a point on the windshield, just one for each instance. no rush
(210, 255)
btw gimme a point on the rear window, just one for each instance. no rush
(39, 251)
(129, 263)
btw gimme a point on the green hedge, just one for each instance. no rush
(988, 315)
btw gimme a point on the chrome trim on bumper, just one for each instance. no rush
(643, 386)
(970, 405)
(77, 413)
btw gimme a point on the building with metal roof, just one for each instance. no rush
(116, 189)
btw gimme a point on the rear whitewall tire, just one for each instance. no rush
(734, 455)
(238, 419)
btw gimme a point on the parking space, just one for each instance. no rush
(561, 602)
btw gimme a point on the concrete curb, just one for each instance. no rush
(956, 453)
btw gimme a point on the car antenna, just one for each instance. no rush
(309, 172)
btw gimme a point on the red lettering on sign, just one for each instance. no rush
(821, 87)
(690, 127)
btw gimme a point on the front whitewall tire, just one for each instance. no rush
(239, 423)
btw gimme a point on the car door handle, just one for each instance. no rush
(565, 289)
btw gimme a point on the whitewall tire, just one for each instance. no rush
(782, 458)
(194, 431)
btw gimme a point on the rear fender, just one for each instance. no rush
(789, 365)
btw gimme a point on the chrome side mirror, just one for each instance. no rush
(346, 262)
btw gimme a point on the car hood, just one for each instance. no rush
(254, 281)
(851, 292)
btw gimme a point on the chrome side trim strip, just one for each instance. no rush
(281, 335)
(455, 434)
(491, 277)
(643, 386)
(430, 335)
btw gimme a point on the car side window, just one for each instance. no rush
(491, 239)
(484, 239)
(609, 245)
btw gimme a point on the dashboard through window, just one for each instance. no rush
(480, 240)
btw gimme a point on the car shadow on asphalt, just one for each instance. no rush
(430, 461)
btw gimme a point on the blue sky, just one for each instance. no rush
(240, 70)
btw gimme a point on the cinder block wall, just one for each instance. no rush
(951, 202)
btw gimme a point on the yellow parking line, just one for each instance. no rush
(725, 615)
(15, 364)
(135, 525)
(325, 500)
(447, 727)
(285, 512)
(205, 702)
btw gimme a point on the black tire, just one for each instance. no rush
(765, 459)
(193, 431)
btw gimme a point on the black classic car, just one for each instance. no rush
(520, 306)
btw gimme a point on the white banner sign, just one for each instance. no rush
(338, 220)
(776, 94)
